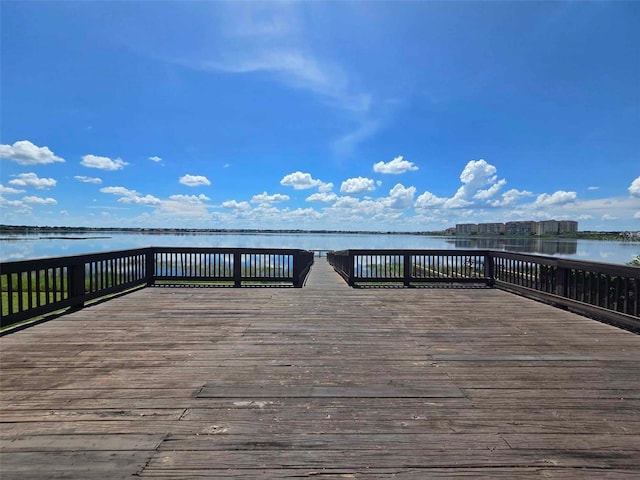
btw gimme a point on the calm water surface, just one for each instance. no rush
(23, 247)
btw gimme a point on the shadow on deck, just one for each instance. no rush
(322, 381)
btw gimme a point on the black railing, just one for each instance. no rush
(36, 287)
(235, 266)
(604, 291)
(607, 291)
(411, 267)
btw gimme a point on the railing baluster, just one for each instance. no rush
(10, 308)
(20, 292)
(47, 288)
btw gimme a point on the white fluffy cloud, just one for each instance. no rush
(357, 185)
(155, 159)
(396, 166)
(235, 205)
(491, 191)
(174, 204)
(194, 180)
(325, 187)
(302, 214)
(32, 180)
(82, 178)
(325, 197)
(400, 197)
(301, 181)
(347, 202)
(354, 206)
(19, 205)
(478, 173)
(193, 199)
(140, 200)
(634, 188)
(39, 200)
(9, 190)
(185, 206)
(26, 153)
(103, 163)
(122, 191)
(475, 175)
(265, 199)
(428, 199)
(131, 196)
(557, 198)
(509, 197)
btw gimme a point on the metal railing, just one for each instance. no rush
(36, 287)
(235, 266)
(604, 291)
(411, 267)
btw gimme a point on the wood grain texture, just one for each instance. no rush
(320, 382)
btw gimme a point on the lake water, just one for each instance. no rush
(23, 247)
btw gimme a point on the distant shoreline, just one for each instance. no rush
(17, 239)
(51, 231)
(13, 229)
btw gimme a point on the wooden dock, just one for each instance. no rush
(320, 382)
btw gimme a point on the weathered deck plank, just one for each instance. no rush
(321, 381)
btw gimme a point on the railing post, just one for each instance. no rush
(298, 259)
(75, 285)
(407, 270)
(150, 266)
(561, 281)
(302, 261)
(237, 269)
(351, 260)
(489, 269)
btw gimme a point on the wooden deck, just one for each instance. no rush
(320, 382)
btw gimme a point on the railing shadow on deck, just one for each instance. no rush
(606, 292)
(38, 287)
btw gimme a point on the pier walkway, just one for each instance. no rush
(320, 382)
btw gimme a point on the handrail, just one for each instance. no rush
(604, 291)
(36, 287)
(411, 267)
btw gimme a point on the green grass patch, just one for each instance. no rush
(37, 298)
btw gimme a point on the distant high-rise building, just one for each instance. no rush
(557, 227)
(548, 227)
(466, 228)
(491, 229)
(567, 226)
(528, 227)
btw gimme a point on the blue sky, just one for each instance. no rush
(405, 116)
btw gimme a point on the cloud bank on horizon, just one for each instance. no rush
(307, 115)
